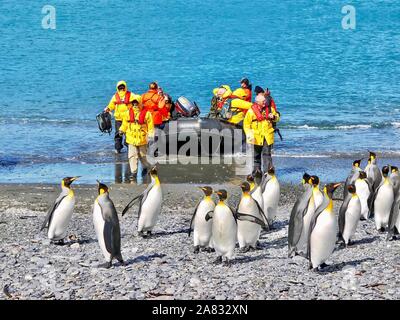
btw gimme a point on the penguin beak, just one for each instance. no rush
(75, 178)
(337, 185)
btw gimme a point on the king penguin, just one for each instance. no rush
(106, 225)
(250, 220)
(349, 215)
(353, 176)
(322, 231)
(271, 193)
(149, 205)
(317, 194)
(300, 218)
(224, 228)
(394, 219)
(59, 215)
(364, 192)
(382, 201)
(372, 170)
(255, 188)
(202, 229)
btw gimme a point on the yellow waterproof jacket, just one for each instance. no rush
(120, 109)
(137, 134)
(238, 109)
(258, 131)
(228, 92)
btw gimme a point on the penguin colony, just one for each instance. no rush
(314, 227)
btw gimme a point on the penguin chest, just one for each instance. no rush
(363, 193)
(203, 228)
(383, 204)
(248, 232)
(353, 214)
(271, 197)
(150, 209)
(61, 218)
(323, 238)
(224, 227)
(257, 195)
(318, 198)
(98, 222)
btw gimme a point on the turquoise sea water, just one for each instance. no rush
(338, 90)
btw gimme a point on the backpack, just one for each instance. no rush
(104, 122)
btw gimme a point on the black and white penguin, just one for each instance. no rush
(202, 229)
(382, 201)
(349, 215)
(322, 231)
(365, 193)
(149, 205)
(300, 218)
(106, 225)
(59, 215)
(372, 170)
(353, 176)
(271, 193)
(394, 219)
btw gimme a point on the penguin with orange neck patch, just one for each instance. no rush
(106, 225)
(59, 215)
(322, 231)
(202, 229)
(149, 205)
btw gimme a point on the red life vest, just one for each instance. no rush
(126, 98)
(260, 117)
(142, 116)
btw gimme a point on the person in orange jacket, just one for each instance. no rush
(244, 92)
(152, 101)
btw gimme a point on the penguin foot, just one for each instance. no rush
(244, 249)
(382, 230)
(208, 249)
(228, 263)
(218, 260)
(59, 242)
(106, 265)
(196, 249)
(142, 234)
(362, 218)
(323, 265)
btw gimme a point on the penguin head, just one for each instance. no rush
(153, 172)
(372, 156)
(385, 171)
(66, 182)
(363, 175)
(102, 188)
(357, 163)
(245, 186)
(351, 188)
(394, 169)
(257, 176)
(271, 171)
(314, 180)
(207, 190)
(222, 194)
(250, 178)
(306, 178)
(330, 189)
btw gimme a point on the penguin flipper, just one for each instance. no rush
(234, 211)
(141, 198)
(262, 214)
(394, 214)
(373, 198)
(250, 218)
(208, 215)
(193, 216)
(49, 216)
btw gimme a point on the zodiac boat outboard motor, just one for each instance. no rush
(104, 122)
(185, 108)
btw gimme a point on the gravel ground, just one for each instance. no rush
(164, 266)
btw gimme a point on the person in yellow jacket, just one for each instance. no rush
(258, 126)
(138, 127)
(119, 104)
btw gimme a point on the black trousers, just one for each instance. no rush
(262, 157)
(119, 141)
